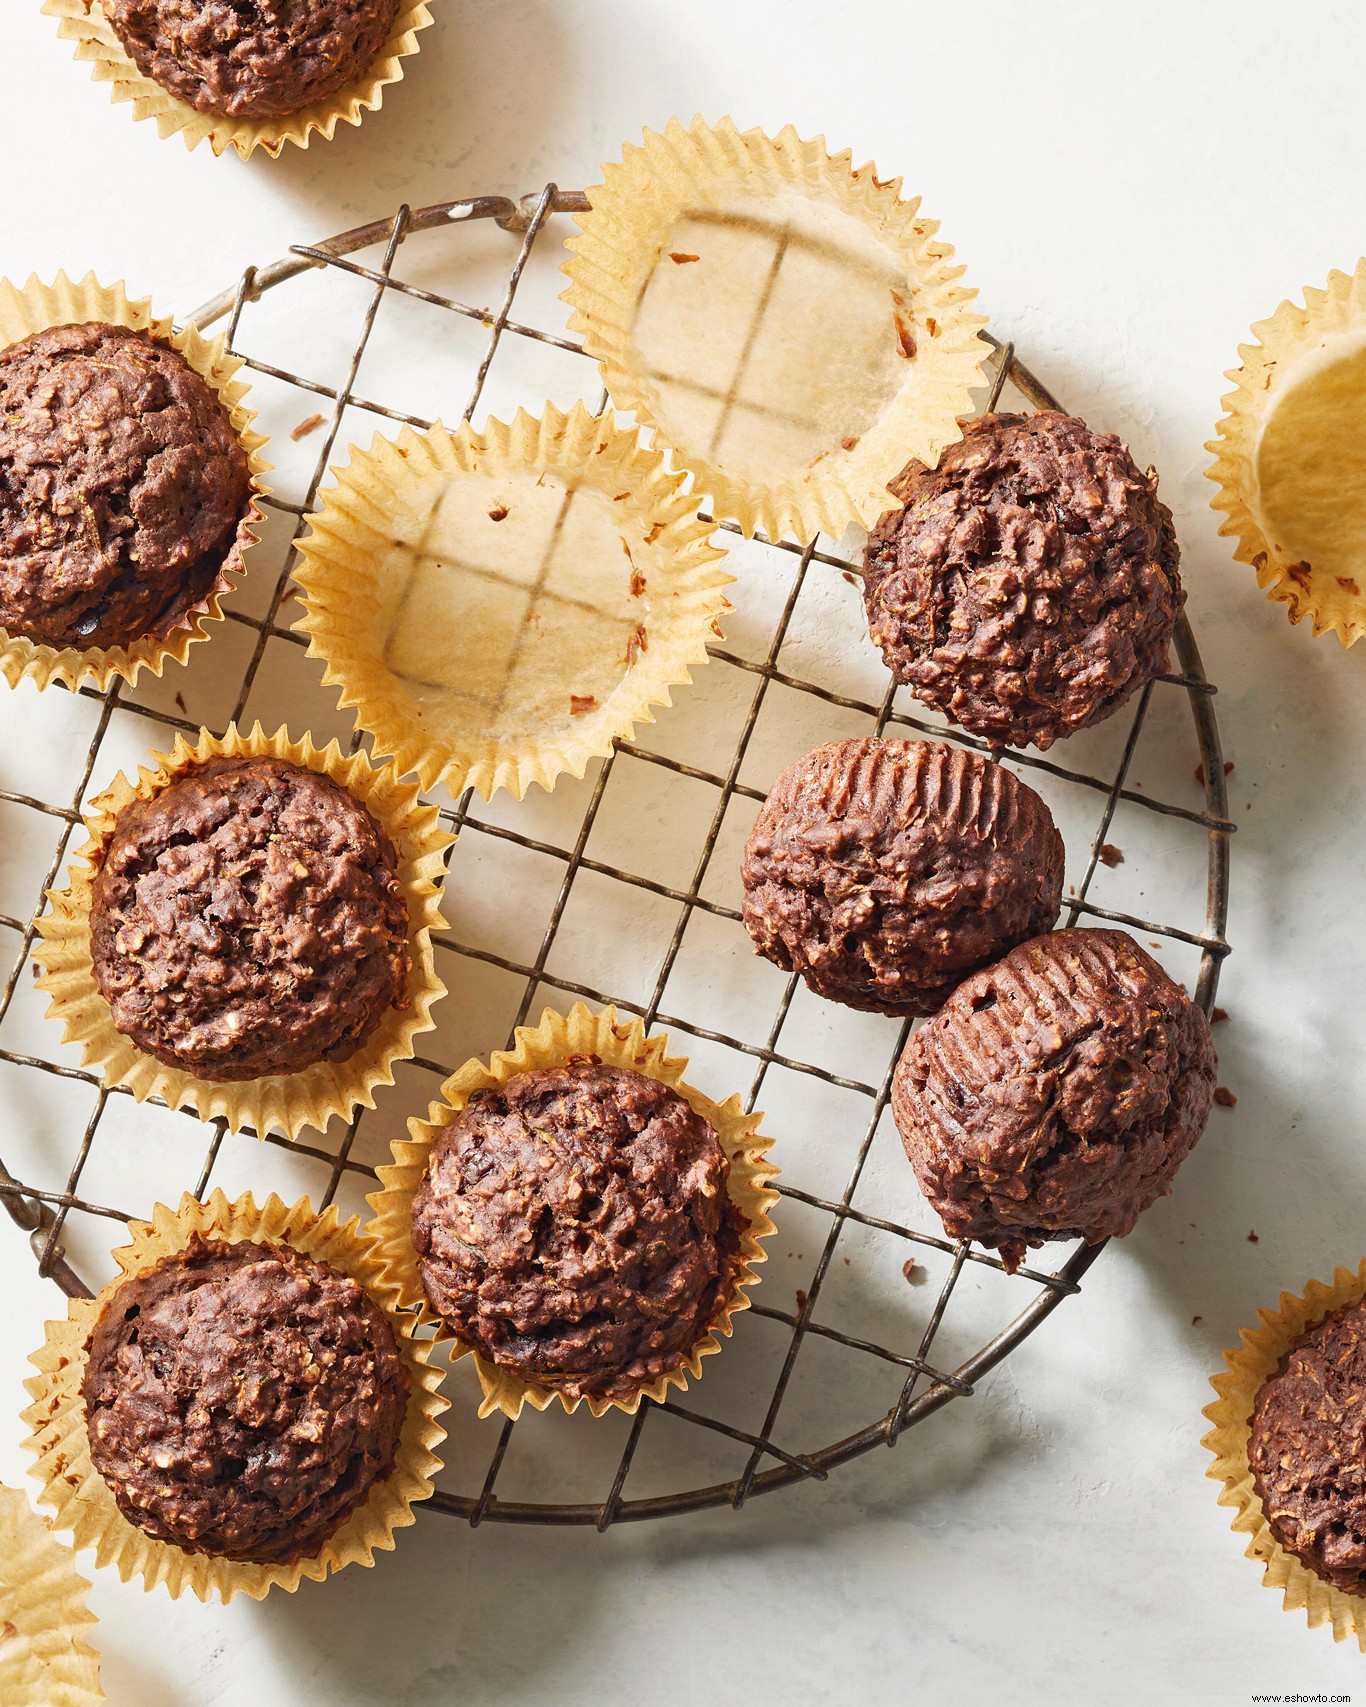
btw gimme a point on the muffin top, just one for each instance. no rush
(884, 871)
(1028, 584)
(248, 920)
(252, 59)
(575, 1224)
(241, 1399)
(122, 487)
(1307, 1449)
(1055, 1094)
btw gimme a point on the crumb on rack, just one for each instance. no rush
(1218, 1015)
(913, 1271)
(1110, 854)
(1229, 768)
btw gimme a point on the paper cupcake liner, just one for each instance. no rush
(77, 1493)
(34, 306)
(283, 1102)
(1249, 1366)
(1288, 460)
(85, 23)
(788, 326)
(499, 606)
(45, 1660)
(620, 1041)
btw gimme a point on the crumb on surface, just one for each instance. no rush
(1252, 1238)
(1218, 1015)
(581, 702)
(309, 424)
(1225, 1097)
(680, 259)
(1110, 854)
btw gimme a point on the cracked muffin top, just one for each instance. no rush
(1028, 584)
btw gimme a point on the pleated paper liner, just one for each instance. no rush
(790, 327)
(76, 1492)
(45, 1660)
(1290, 457)
(620, 1041)
(85, 23)
(284, 1102)
(1248, 1367)
(34, 306)
(499, 606)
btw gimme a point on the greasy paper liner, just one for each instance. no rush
(282, 1102)
(379, 571)
(1249, 1366)
(45, 1660)
(619, 1040)
(77, 1493)
(841, 476)
(84, 23)
(1289, 342)
(34, 306)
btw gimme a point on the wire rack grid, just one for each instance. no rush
(925, 1383)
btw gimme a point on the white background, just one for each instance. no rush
(1129, 188)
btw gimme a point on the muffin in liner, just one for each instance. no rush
(33, 307)
(77, 1493)
(498, 606)
(620, 1041)
(45, 1660)
(1248, 1367)
(85, 23)
(283, 1102)
(789, 327)
(1289, 459)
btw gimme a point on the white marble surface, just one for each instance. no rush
(1129, 190)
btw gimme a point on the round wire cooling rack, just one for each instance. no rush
(921, 1383)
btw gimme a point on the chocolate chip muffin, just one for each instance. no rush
(123, 487)
(1028, 584)
(575, 1226)
(242, 1399)
(252, 59)
(248, 920)
(1055, 1094)
(885, 871)
(1307, 1449)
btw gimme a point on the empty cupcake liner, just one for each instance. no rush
(34, 306)
(45, 1659)
(86, 25)
(499, 606)
(1288, 457)
(621, 1041)
(789, 327)
(285, 1102)
(1248, 1367)
(76, 1492)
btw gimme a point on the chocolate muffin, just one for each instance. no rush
(885, 871)
(1028, 584)
(575, 1225)
(1307, 1449)
(242, 1399)
(252, 59)
(123, 487)
(248, 920)
(1055, 1094)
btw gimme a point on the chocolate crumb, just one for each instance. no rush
(901, 319)
(637, 583)
(1217, 1015)
(1252, 1238)
(1111, 855)
(180, 699)
(1200, 771)
(849, 441)
(912, 1271)
(636, 645)
(581, 702)
(850, 577)
(679, 259)
(8, 1630)
(1225, 1097)
(1347, 583)
(1196, 1321)
(499, 513)
(653, 534)
(801, 1300)
(309, 424)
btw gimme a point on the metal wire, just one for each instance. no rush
(42, 1214)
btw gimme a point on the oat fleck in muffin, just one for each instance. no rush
(242, 1400)
(1054, 1095)
(884, 871)
(248, 920)
(575, 1225)
(1028, 584)
(123, 487)
(252, 59)
(1307, 1449)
